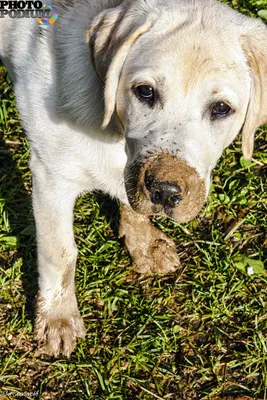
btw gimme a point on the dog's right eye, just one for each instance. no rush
(145, 93)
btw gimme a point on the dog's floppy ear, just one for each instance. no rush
(255, 46)
(110, 37)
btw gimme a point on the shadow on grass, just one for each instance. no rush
(17, 239)
(110, 209)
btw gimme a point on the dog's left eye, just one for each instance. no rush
(220, 109)
(145, 93)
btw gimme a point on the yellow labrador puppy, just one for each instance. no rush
(137, 98)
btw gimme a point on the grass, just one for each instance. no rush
(197, 334)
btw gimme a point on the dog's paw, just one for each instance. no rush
(150, 249)
(57, 331)
(157, 256)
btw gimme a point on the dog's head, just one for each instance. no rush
(183, 78)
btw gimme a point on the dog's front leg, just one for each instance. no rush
(58, 321)
(150, 249)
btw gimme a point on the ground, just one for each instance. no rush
(197, 334)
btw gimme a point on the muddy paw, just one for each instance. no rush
(158, 256)
(57, 331)
(150, 249)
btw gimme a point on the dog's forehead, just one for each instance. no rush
(199, 58)
(190, 48)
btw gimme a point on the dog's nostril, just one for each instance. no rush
(156, 197)
(173, 200)
(171, 194)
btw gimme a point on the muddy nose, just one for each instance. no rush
(163, 192)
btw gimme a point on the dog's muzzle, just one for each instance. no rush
(163, 184)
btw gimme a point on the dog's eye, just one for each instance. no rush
(220, 109)
(145, 93)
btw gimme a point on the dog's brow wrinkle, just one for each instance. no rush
(170, 33)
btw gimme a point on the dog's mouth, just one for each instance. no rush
(163, 184)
